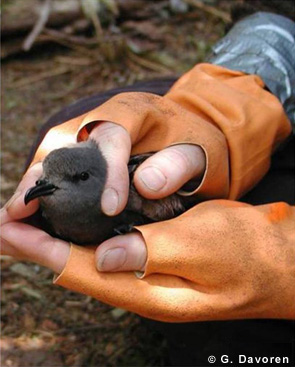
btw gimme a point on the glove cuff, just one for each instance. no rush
(252, 119)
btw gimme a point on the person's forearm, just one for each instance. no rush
(263, 44)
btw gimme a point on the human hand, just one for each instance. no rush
(160, 175)
(24, 241)
(188, 147)
(239, 259)
(178, 163)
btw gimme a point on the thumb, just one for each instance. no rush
(169, 169)
(15, 208)
(122, 253)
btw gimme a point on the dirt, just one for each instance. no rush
(45, 325)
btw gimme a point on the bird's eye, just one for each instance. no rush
(84, 176)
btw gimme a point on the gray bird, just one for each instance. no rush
(70, 191)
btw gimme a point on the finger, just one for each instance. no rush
(122, 253)
(29, 243)
(168, 170)
(15, 208)
(115, 144)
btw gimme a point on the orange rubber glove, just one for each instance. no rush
(205, 101)
(220, 260)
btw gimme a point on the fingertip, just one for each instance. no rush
(122, 253)
(168, 170)
(110, 201)
(151, 182)
(17, 209)
(112, 260)
(115, 195)
(115, 145)
(152, 178)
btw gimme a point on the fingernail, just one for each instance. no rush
(12, 199)
(112, 259)
(109, 201)
(153, 178)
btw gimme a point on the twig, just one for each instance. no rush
(148, 64)
(133, 66)
(75, 61)
(64, 41)
(36, 78)
(86, 328)
(80, 40)
(209, 9)
(21, 66)
(43, 17)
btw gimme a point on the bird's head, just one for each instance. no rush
(75, 174)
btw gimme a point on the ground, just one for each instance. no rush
(45, 325)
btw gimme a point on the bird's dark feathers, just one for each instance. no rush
(75, 159)
(73, 210)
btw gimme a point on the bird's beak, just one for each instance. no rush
(42, 188)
